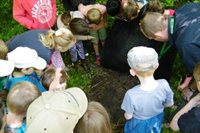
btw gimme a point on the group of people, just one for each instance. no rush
(34, 93)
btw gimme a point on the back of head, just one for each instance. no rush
(155, 6)
(56, 112)
(62, 39)
(94, 16)
(66, 18)
(142, 59)
(3, 49)
(49, 75)
(21, 96)
(152, 23)
(79, 26)
(129, 10)
(95, 120)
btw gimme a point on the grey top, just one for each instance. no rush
(146, 104)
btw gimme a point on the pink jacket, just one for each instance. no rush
(35, 14)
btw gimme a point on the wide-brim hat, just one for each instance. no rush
(56, 112)
(24, 57)
(6, 68)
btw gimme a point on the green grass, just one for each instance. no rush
(78, 77)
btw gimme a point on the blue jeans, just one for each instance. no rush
(151, 125)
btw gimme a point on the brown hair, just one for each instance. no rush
(48, 77)
(66, 18)
(152, 23)
(61, 38)
(94, 16)
(21, 96)
(129, 10)
(196, 72)
(79, 26)
(95, 120)
(3, 50)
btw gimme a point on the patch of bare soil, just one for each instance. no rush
(108, 88)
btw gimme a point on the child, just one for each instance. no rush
(190, 113)
(35, 14)
(144, 103)
(56, 112)
(3, 50)
(18, 100)
(25, 61)
(47, 43)
(96, 15)
(95, 120)
(76, 22)
(2, 117)
(50, 74)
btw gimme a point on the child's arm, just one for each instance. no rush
(128, 116)
(192, 103)
(19, 14)
(84, 37)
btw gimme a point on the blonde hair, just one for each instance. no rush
(95, 120)
(3, 49)
(196, 72)
(129, 10)
(94, 15)
(21, 96)
(61, 38)
(152, 23)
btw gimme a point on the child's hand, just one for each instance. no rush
(55, 84)
(90, 37)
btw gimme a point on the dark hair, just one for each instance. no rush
(66, 18)
(79, 26)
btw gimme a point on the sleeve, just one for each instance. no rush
(57, 61)
(19, 14)
(113, 7)
(169, 95)
(127, 104)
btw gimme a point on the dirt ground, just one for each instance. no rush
(109, 87)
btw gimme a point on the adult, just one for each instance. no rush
(181, 30)
(125, 34)
(47, 43)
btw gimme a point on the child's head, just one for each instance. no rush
(79, 26)
(56, 112)
(95, 120)
(129, 9)
(62, 39)
(3, 49)
(50, 74)
(143, 60)
(20, 97)
(196, 74)
(66, 18)
(94, 16)
(152, 23)
(26, 59)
